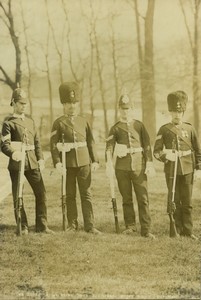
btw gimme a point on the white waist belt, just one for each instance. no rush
(179, 152)
(68, 146)
(122, 150)
(17, 146)
(134, 150)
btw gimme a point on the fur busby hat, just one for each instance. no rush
(177, 101)
(18, 95)
(69, 92)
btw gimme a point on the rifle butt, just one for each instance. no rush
(19, 219)
(63, 204)
(19, 226)
(117, 229)
(64, 223)
(114, 206)
(173, 230)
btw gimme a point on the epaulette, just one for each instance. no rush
(82, 116)
(60, 118)
(138, 121)
(28, 117)
(116, 123)
(165, 125)
(7, 118)
(187, 123)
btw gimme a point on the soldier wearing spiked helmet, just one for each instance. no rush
(129, 141)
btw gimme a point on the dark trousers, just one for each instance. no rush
(81, 175)
(183, 202)
(127, 179)
(36, 182)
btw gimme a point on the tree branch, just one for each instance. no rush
(7, 79)
(186, 24)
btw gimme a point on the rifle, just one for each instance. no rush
(63, 197)
(112, 191)
(172, 184)
(19, 198)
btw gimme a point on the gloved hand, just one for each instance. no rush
(94, 166)
(171, 156)
(59, 168)
(150, 170)
(197, 175)
(17, 155)
(109, 169)
(41, 163)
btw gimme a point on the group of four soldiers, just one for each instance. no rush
(128, 140)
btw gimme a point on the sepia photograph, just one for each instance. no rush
(100, 149)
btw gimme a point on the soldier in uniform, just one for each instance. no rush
(15, 128)
(134, 162)
(81, 156)
(181, 137)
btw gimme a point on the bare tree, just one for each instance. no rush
(91, 60)
(194, 44)
(72, 64)
(47, 62)
(146, 66)
(8, 21)
(99, 69)
(28, 60)
(59, 50)
(115, 66)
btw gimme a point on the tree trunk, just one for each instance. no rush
(146, 68)
(194, 42)
(15, 40)
(196, 102)
(148, 100)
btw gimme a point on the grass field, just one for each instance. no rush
(108, 266)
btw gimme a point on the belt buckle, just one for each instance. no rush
(181, 153)
(130, 150)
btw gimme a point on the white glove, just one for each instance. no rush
(17, 155)
(94, 166)
(197, 175)
(171, 156)
(41, 163)
(109, 170)
(59, 168)
(150, 170)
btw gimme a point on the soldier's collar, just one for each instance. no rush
(177, 124)
(18, 116)
(126, 121)
(70, 116)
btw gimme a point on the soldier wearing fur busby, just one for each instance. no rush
(81, 156)
(129, 139)
(179, 137)
(15, 127)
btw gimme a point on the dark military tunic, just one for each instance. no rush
(76, 130)
(76, 133)
(14, 131)
(183, 139)
(130, 169)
